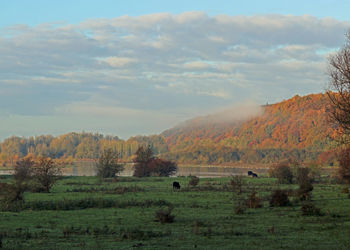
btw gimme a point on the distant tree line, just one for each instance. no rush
(77, 146)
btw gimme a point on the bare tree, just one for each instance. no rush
(107, 164)
(46, 173)
(339, 86)
(22, 176)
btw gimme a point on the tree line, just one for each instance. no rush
(75, 146)
(78, 146)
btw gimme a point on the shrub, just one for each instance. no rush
(345, 190)
(46, 173)
(161, 167)
(253, 201)
(240, 207)
(309, 209)
(148, 165)
(237, 183)
(107, 165)
(194, 180)
(315, 171)
(23, 173)
(279, 198)
(165, 216)
(344, 165)
(304, 181)
(282, 172)
(23, 170)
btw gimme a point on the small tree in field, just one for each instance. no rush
(46, 173)
(107, 165)
(143, 157)
(22, 176)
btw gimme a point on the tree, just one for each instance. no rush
(344, 165)
(339, 86)
(107, 165)
(143, 157)
(148, 165)
(46, 173)
(22, 176)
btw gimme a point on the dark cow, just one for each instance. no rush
(176, 185)
(252, 174)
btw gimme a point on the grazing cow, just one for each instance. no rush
(176, 185)
(252, 174)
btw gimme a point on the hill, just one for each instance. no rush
(297, 128)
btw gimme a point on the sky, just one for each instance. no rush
(132, 67)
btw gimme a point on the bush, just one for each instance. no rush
(165, 216)
(253, 201)
(309, 209)
(344, 165)
(194, 180)
(23, 170)
(282, 172)
(161, 167)
(239, 208)
(107, 165)
(237, 183)
(46, 172)
(279, 198)
(304, 181)
(315, 172)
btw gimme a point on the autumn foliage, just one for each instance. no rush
(297, 128)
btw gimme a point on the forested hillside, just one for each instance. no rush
(296, 129)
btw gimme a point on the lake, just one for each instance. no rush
(88, 169)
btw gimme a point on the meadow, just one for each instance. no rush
(130, 212)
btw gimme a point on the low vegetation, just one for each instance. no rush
(225, 213)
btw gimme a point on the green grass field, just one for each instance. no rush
(85, 213)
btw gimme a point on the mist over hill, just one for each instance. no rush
(296, 128)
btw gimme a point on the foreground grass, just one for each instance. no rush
(82, 212)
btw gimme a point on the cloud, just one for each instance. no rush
(163, 63)
(114, 61)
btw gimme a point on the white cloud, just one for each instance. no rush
(114, 61)
(163, 62)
